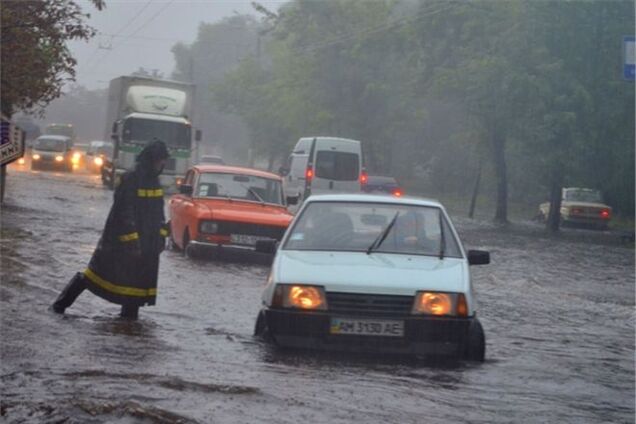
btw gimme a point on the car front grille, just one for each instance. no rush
(227, 228)
(369, 304)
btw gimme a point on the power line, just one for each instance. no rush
(122, 29)
(142, 26)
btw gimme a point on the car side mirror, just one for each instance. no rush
(292, 200)
(478, 257)
(266, 246)
(186, 189)
(282, 171)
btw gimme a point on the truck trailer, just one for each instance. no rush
(142, 109)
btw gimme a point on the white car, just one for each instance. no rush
(367, 273)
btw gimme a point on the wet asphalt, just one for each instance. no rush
(558, 313)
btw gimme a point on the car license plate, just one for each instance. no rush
(245, 239)
(367, 327)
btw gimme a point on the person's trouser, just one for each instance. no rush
(73, 289)
(129, 311)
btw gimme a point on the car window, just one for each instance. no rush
(354, 227)
(583, 196)
(241, 187)
(189, 178)
(338, 166)
(50, 144)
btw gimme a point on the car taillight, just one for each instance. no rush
(364, 178)
(576, 211)
(397, 192)
(309, 173)
(605, 213)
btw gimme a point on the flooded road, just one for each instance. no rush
(558, 315)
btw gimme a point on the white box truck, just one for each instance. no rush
(142, 109)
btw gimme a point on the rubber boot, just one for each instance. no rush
(130, 312)
(74, 288)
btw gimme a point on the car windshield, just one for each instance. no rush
(142, 131)
(348, 226)
(239, 187)
(592, 196)
(65, 130)
(50, 144)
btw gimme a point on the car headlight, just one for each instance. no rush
(300, 296)
(36, 157)
(440, 304)
(76, 158)
(59, 158)
(98, 161)
(209, 227)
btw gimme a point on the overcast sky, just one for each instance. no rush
(140, 33)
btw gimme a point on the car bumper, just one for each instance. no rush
(228, 251)
(49, 164)
(422, 335)
(583, 220)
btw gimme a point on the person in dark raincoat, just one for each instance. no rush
(125, 265)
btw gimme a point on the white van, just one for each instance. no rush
(320, 165)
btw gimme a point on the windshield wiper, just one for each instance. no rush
(382, 236)
(442, 241)
(254, 193)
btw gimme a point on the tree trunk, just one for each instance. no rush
(270, 161)
(501, 174)
(554, 217)
(473, 199)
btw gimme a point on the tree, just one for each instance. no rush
(219, 48)
(36, 62)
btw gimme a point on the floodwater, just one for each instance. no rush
(558, 315)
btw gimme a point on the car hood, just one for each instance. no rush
(256, 213)
(377, 273)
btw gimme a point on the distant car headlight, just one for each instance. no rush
(209, 227)
(440, 304)
(36, 157)
(98, 161)
(300, 296)
(76, 158)
(59, 158)
(21, 161)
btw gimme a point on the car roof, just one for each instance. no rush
(54, 137)
(373, 198)
(205, 167)
(579, 189)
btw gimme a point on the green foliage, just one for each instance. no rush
(35, 60)
(434, 87)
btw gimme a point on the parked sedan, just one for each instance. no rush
(581, 206)
(224, 207)
(363, 273)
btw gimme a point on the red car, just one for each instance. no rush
(227, 207)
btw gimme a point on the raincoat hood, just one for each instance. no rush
(153, 152)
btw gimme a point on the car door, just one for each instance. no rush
(177, 210)
(336, 167)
